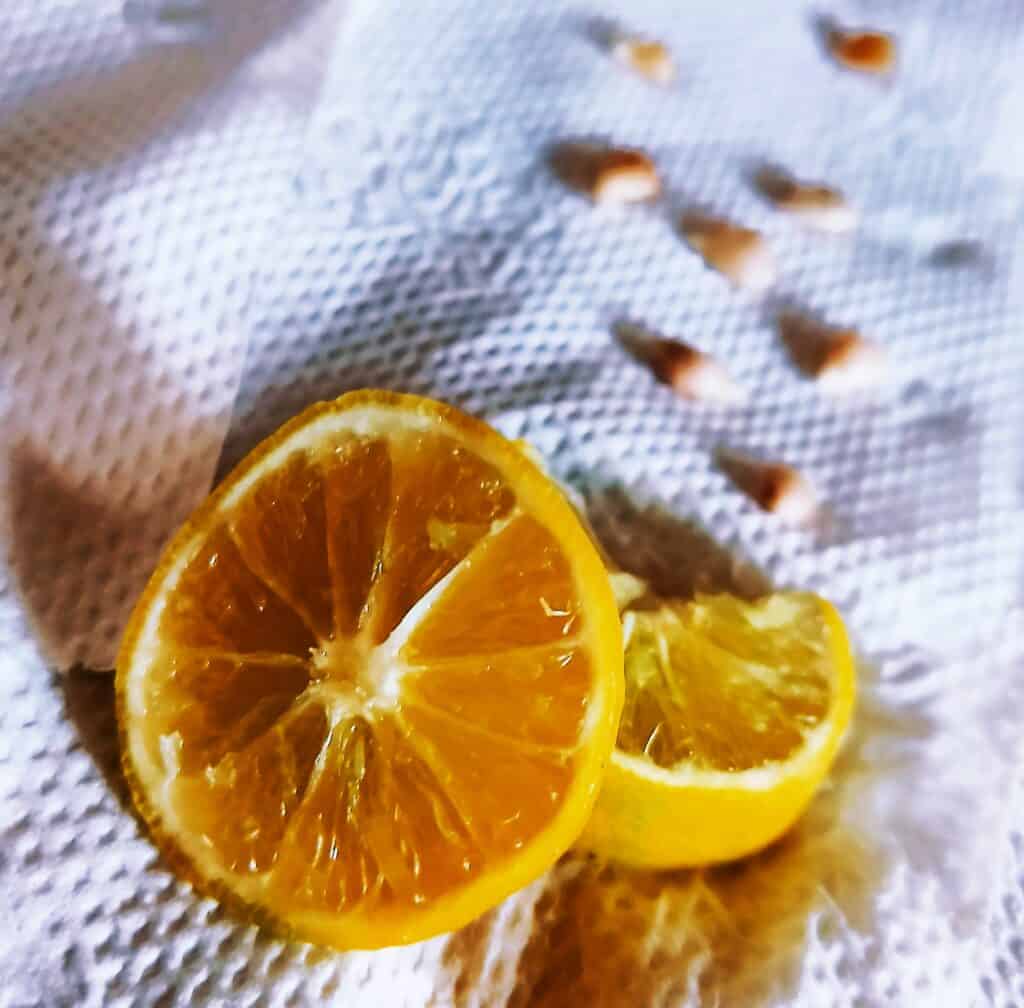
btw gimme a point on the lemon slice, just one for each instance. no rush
(373, 683)
(733, 716)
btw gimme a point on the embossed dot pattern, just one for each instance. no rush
(139, 179)
(445, 257)
(172, 233)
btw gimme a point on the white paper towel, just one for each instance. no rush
(138, 182)
(427, 246)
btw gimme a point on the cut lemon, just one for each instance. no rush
(733, 716)
(374, 682)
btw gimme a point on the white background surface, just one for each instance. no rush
(258, 210)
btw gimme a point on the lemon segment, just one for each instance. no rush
(733, 716)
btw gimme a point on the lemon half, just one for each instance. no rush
(373, 684)
(734, 713)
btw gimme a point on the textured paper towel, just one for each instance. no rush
(429, 247)
(138, 179)
(435, 251)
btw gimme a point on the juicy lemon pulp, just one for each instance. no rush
(720, 685)
(734, 712)
(367, 681)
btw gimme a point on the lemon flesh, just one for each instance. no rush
(733, 715)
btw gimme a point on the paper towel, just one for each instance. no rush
(139, 178)
(426, 245)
